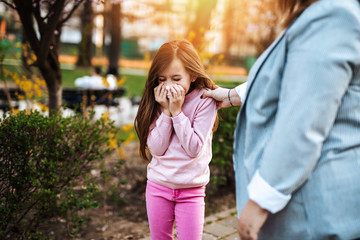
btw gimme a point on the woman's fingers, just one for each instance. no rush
(207, 93)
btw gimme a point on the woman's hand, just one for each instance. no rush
(221, 96)
(176, 99)
(251, 219)
(160, 97)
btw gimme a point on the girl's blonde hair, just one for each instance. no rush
(149, 108)
(289, 10)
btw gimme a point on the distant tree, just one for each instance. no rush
(249, 23)
(44, 37)
(262, 26)
(114, 17)
(85, 46)
(201, 22)
(228, 29)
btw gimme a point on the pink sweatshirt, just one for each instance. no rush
(181, 146)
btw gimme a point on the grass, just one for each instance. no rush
(69, 76)
(134, 84)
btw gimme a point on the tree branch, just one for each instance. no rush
(48, 34)
(23, 9)
(11, 5)
(39, 19)
(76, 5)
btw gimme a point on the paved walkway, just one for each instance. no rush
(220, 226)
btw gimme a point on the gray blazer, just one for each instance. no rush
(299, 125)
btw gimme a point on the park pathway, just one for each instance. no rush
(219, 226)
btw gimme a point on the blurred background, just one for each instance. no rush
(228, 34)
(76, 173)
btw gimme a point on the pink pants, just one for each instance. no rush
(185, 206)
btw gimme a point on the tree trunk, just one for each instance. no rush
(46, 47)
(229, 28)
(53, 79)
(115, 32)
(85, 46)
(201, 22)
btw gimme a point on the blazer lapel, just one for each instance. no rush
(258, 64)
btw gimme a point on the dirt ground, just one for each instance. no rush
(122, 212)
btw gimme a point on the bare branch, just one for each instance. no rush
(76, 5)
(27, 21)
(11, 5)
(47, 35)
(39, 19)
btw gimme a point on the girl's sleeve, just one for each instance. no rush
(193, 136)
(160, 134)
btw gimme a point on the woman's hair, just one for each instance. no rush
(289, 10)
(149, 108)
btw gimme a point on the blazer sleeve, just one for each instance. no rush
(321, 56)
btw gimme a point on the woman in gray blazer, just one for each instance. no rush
(297, 137)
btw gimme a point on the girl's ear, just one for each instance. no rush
(193, 78)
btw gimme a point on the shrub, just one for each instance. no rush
(44, 162)
(222, 172)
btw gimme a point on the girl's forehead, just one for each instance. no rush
(176, 67)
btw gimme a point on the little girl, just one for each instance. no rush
(175, 124)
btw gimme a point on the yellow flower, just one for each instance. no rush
(26, 86)
(128, 140)
(14, 76)
(33, 57)
(36, 87)
(121, 153)
(121, 81)
(30, 94)
(43, 107)
(112, 143)
(21, 97)
(25, 52)
(111, 135)
(15, 111)
(127, 128)
(105, 115)
(105, 82)
(38, 93)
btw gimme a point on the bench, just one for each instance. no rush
(72, 97)
(14, 95)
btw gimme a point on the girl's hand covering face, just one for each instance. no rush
(160, 94)
(176, 95)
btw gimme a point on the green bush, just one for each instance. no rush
(222, 172)
(44, 162)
